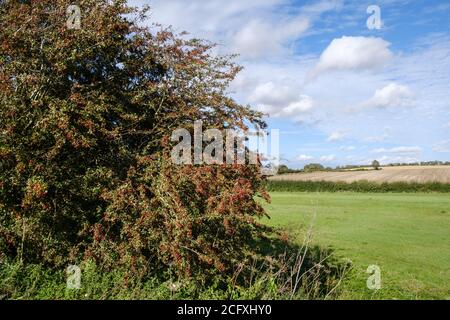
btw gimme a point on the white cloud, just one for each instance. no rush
(252, 28)
(328, 158)
(278, 30)
(442, 146)
(347, 148)
(216, 16)
(273, 34)
(319, 7)
(304, 157)
(380, 138)
(396, 159)
(280, 100)
(260, 38)
(336, 136)
(403, 150)
(352, 53)
(391, 95)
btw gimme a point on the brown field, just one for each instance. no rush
(386, 174)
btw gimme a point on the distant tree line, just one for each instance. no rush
(422, 163)
(312, 167)
(398, 164)
(283, 169)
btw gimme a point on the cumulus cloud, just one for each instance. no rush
(336, 136)
(216, 16)
(280, 100)
(304, 157)
(319, 7)
(396, 159)
(260, 38)
(352, 53)
(442, 146)
(328, 158)
(339, 71)
(380, 138)
(391, 95)
(252, 28)
(347, 148)
(403, 150)
(265, 37)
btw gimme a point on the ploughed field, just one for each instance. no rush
(420, 174)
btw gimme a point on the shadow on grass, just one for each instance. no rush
(300, 271)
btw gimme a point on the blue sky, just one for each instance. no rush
(339, 92)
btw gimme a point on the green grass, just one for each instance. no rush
(406, 235)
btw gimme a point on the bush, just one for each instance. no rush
(287, 272)
(283, 169)
(313, 167)
(85, 123)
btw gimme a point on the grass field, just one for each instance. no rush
(419, 174)
(406, 235)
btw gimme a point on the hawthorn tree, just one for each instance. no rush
(86, 117)
(376, 164)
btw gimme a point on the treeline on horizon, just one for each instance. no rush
(283, 169)
(357, 186)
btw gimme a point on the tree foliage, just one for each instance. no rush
(375, 164)
(85, 123)
(313, 167)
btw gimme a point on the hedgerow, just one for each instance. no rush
(357, 186)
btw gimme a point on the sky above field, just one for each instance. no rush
(341, 85)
